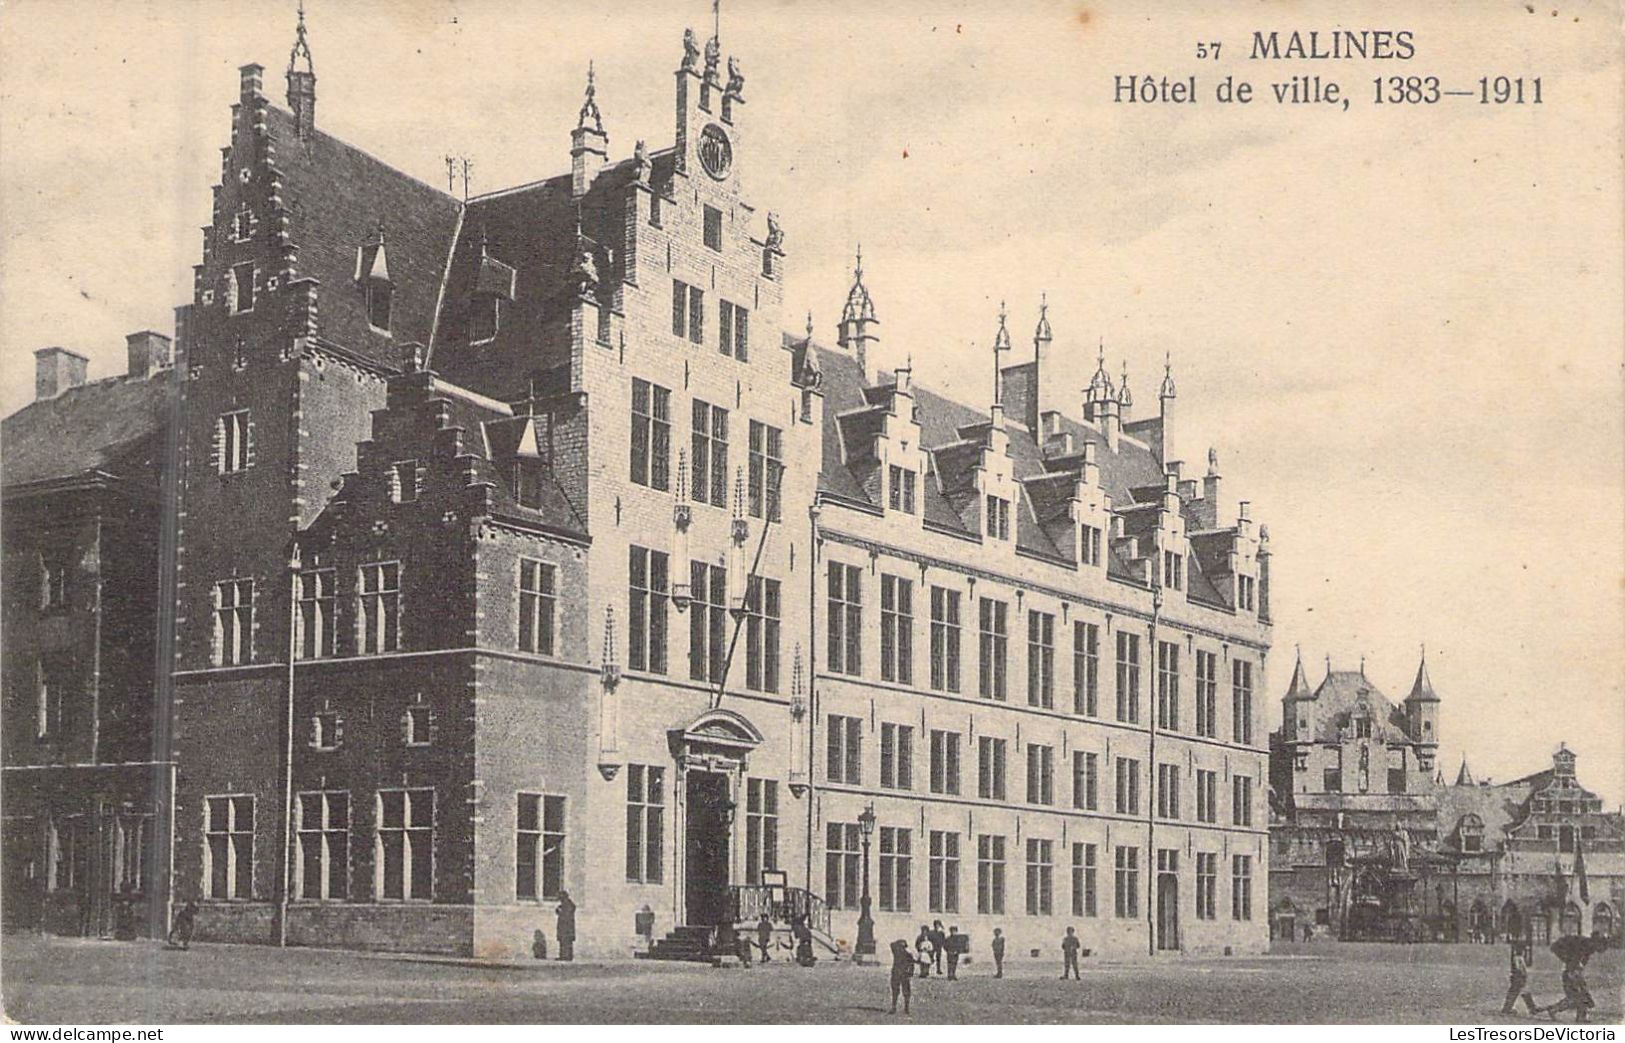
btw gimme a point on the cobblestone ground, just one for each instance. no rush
(71, 981)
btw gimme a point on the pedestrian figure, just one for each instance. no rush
(939, 943)
(567, 927)
(185, 923)
(1576, 994)
(953, 943)
(998, 952)
(922, 950)
(803, 933)
(538, 945)
(902, 974)
(764, 936)
(1518, 979)
(1069, 954)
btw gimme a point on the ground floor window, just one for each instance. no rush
(1040, 877)
(1207, 883)
(761, 828)
(539, 861)
(645, 818)
(228, 849)
(1083, 880)
(841, 854)
(1127, 896)
(990, 874)
(1241, 887)
(896, 862)
(405, 866)
(323, 827)
(944, 885)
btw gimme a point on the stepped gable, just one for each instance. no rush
(106, 430)
(337, 196)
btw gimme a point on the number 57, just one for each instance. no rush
(1203, 50)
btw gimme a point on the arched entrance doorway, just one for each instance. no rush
(1478, 923)
(1570, 922)
(1511, 921)
(711, 752)
(1602, 919)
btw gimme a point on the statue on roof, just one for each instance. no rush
(713, 55)
(640, 162)
(691, 50)
(775, 234)
(736, 79)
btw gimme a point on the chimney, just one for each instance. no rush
(149, 352)
(252, 80)
(1210, 489)
(56, 370)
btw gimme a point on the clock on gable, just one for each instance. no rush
(716, 152)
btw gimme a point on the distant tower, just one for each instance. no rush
(1038, 404)
(1165, 397)
(1100, 402)
(855, 333)
(589, 145)
(302, 82)
(1422, 715)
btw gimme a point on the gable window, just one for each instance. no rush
(240, 289)
(944, 639)
(901, 489)
(1041, 659)
(380, 297)
(647, 596)
(228, 847)
(766, 470)
(845, 618)
(651, 435)
(710, 438)
(539, 847)
(713, 228)
(762, 634)
(1246, 593)
(232, 438)
(687, 311)
(1173, 570)
(1089, 544)
(403, 481)
(316, 618)
(995, 647)
(1086, 669)
(233, 622)
(733, 330)
(708, 623)
(645, 823)
(378, 603)
(998, 518)
(484, 318)
(537, 606)
(243, 224)
(323, 830)
(896, 629)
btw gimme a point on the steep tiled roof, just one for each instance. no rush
(112, 427)
(1342, 695)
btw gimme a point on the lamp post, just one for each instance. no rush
(866, 923)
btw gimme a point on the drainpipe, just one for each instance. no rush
(1153, 893)
(287, 753)
(813, 514)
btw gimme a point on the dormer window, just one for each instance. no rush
(1362, 727)
(1173, 570)
(526, 481)
(372, 272)
(484, 317)
(901, 493)
(1472, 833)
(998, 518)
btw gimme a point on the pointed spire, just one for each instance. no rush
(1167, 390)
(859, 305)
(302, 81)
(589, 105)
(1464, 777)
(1299, 688)
(1001, 339)
(1124, 397)
(1042, 332)
(1100, 385)
(1422, 687)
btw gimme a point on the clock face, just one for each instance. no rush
(716, 154)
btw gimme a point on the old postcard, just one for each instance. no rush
(812, 512)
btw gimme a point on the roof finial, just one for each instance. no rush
(1001, 339)
(589, 105)
(716, 19)
(857, 270)
(1042, 332)
(809, 325)
(1167, 390)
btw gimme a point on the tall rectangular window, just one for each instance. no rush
(708, 623)
(539, 847)
(241, 295)
(228, 848)
(1086, 669)
(651, 435)
(845, 620)
(766, 470)
(1167, 686)
(842, 851)
(679, 308)
(647, 598)
(405, 854)
(1040, 774)
(1083, 880)
(944, 882)
(48, 698)
(696, 315)
(1085, 780)
(323, 829)
(645, 823)
(1207, 792)
(944, 639)
(1040, 877)
(709, 474)
(845, 749)
(233, 622)
(1241, 701)
(1241, 887)
(1207, 700)
(1173, 570)
(990, 755)
(896, 756)
(316, 619)
(1089, 544)
(1128, 786)
(1241, 800)
(1168, 791)
(232, 433)
(403, 481)
(713, 228)
(945, 762)
(762, 634)
(1127, 891)
(896, 862)
(54, 570)
(378, 608)
(995, 649)
(1128, 677)
(1246, 593)
(1041, 660)
(998, 518)
(896, 629)
(990, 874)
(761, 828)
(1207, 884)
(538, 602)
(900, 489)
(687, 311)
(733, 330)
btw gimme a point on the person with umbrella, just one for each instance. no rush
(1575, 951)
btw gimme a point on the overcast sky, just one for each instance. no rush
(1401, 326)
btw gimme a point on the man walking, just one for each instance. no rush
(1576, 993)
(567, 927)
(902, 973)
(1069, 954)
(939, 945)
(954, 943)
(998, 952)
(1518, 979)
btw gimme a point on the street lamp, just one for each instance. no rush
(866, 923)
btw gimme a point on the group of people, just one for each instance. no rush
(933, 945)
(1574, 952)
